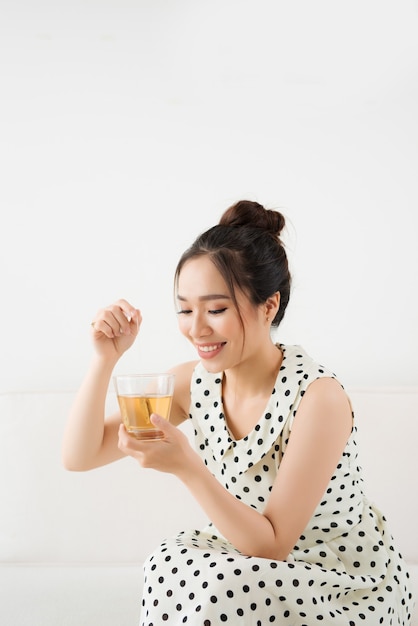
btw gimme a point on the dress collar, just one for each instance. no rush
(248, 451)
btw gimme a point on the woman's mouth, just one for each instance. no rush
(209, 350)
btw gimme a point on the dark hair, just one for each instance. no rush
(246, 249)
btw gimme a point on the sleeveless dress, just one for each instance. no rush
(344, 570)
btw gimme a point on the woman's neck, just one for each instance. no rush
(254, 377)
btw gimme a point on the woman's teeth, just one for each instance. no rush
(210, 348)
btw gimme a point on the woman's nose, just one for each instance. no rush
(199, 327)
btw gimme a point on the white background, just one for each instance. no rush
(127, 128)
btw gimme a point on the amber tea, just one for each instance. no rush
(137, 410)
(141, 395)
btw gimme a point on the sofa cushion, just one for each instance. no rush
(387, 422)
(70, 595)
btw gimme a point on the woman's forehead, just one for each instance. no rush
(200, 279)
(200, 276)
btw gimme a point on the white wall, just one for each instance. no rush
(127, 127)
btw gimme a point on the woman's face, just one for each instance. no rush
(209, 320)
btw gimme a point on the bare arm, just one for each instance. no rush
(321, 429)
(90, 440)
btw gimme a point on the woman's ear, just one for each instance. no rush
(272, 306)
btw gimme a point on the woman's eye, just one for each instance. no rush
(211, 311)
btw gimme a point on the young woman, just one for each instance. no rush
(293, 539)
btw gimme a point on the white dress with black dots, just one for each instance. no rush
(344, 570)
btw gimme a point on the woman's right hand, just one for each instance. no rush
(115, 328)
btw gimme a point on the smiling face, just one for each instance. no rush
(209, 319)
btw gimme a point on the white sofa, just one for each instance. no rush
(72, 544)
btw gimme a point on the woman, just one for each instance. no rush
(293, 539)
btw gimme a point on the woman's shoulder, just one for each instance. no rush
(298, 361)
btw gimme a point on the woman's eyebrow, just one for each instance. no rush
(209, 296)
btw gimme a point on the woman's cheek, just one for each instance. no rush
(183, 326)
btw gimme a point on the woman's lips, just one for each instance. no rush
(209, 350)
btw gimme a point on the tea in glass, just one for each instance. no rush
(141, 395)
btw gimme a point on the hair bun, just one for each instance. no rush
(253, 214)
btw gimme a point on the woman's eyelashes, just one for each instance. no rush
(211, 311)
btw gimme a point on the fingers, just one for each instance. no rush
(169, 454)
(142, 451)
(124, 440)
(162, 424)
(146, 452)
(117, 319)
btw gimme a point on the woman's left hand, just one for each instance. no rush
(173, 454)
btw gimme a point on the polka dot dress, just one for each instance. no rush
(344, 569)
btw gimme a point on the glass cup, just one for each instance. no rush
(140, 395)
